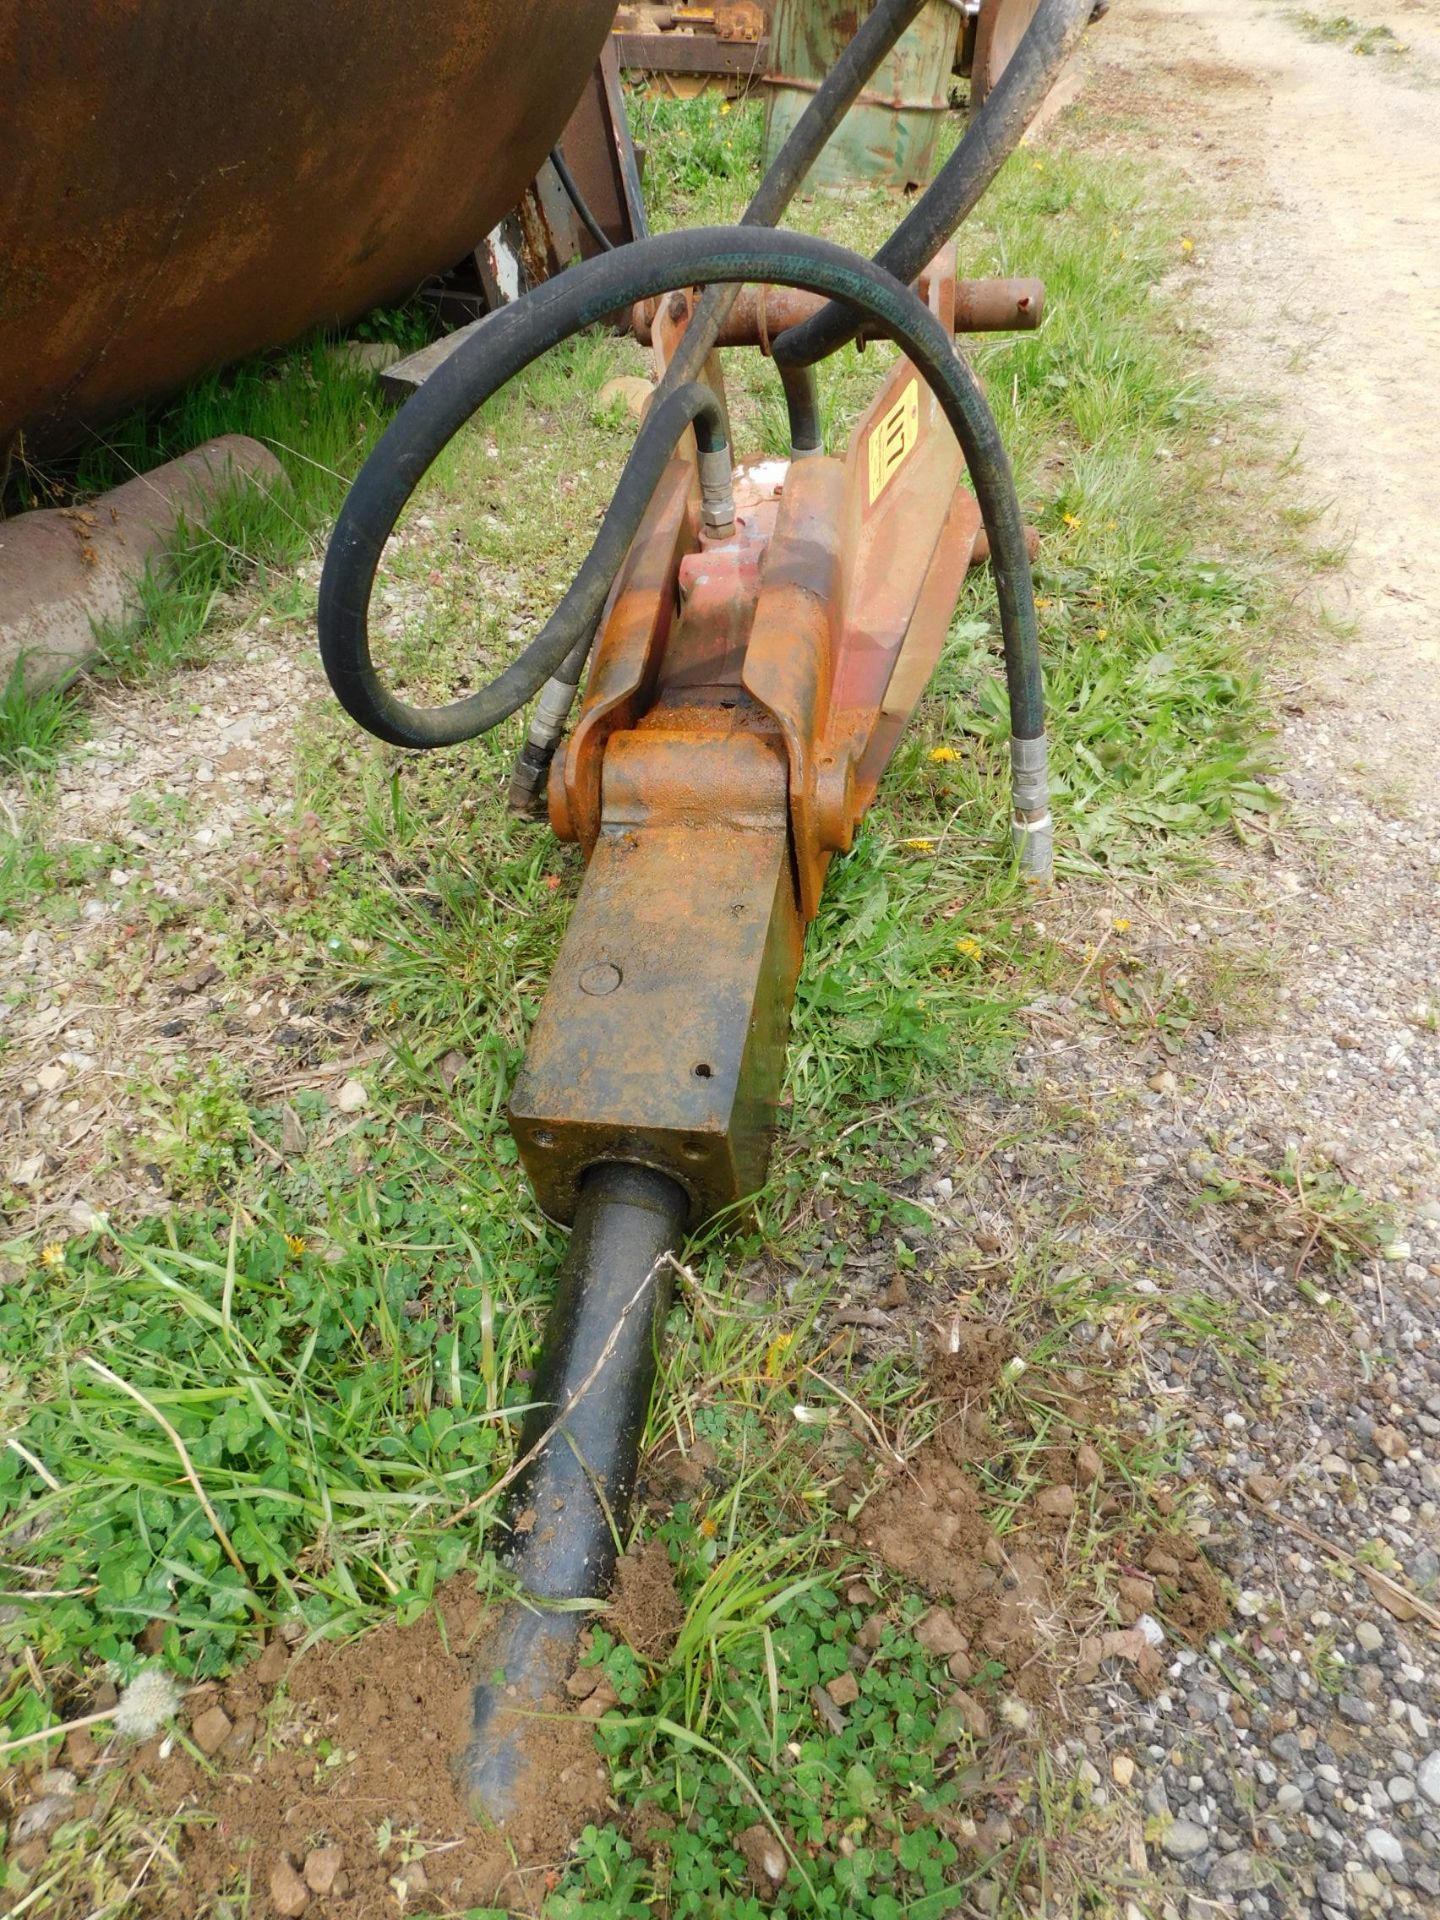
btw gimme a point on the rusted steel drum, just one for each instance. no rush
(889, 137)
(181, 184)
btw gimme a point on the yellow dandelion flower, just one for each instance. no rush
(942, 756)
(1187, 245)
(53, 1255)
(921, 846)
(1041, 601)
(296, 1243)
(1071, 519)
(1103, 634)
(775, 1354)
(706, 1528)
(971, 949)
(1121, 926)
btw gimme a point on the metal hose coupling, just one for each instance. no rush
(717, 492)
(530, 775)
(1032, 831)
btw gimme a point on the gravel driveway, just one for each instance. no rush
(1299, 1773)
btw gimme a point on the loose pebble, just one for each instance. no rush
(1182, 1840)
(289, 1894)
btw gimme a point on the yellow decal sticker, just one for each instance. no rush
(894, 436)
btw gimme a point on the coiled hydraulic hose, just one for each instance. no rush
(989, 141)
(343, 646)
(563, 644)
(582, 296)
(574, 621)
(427, 421)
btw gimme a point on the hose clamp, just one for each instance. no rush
(1029, 777)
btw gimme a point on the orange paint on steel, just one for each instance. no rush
(187, 183)
(638, 624)
(745, 696)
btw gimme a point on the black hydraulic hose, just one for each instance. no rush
(989, 141)
(802, 404)
(578, 201)
(389, 476)
(423, 425)
(1010, 106)
(494, 354)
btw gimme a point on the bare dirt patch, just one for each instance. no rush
(926, 1522)
(646, 1612)
(335, 1794)
(1018, 1600)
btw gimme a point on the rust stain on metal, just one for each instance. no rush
(761, 313)
(537, 248)
(739, 20)
(601, 155)
(189, 184)
(889, 137)
(689, 882)
(1001, 26)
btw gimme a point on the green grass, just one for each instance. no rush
(339, 1338)
(884, 1782)
(325, 1412)
(1340, 29)
(1308, 1209)
(25, 869)
(702, 157)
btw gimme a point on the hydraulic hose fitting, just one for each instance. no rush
(531, 772)
(1032, 832)
(717, 492)
(530, 776)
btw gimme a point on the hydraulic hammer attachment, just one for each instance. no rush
(757, 639)
(745, 697)
(746, 694)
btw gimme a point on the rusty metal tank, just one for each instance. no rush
(889, 137)
(184, 183)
